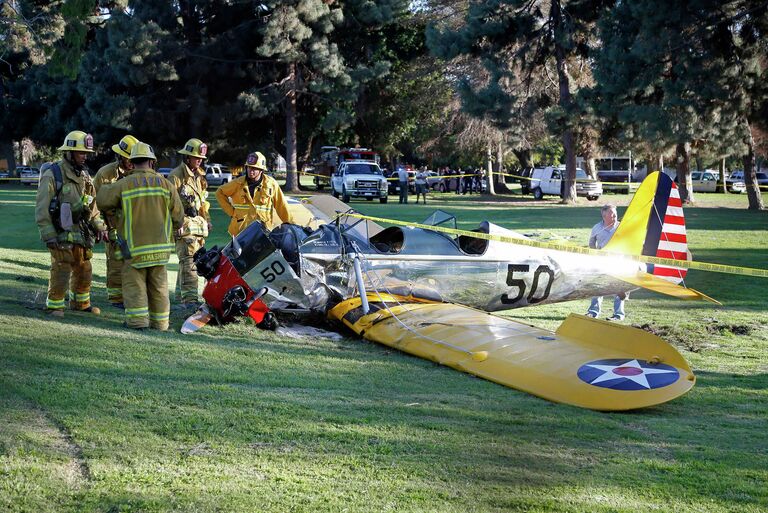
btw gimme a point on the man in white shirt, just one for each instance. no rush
(601, 234)
(402, 178)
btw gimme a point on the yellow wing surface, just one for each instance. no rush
(587, 362)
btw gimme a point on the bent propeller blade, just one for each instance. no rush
(197, 320)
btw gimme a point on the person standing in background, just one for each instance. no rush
(69, 224)
(189, 181)
(421, 185)
(402, 181)
(111, 173)
(153, 211)
(601, 234)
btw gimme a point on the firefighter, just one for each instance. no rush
(110, 174)
(152, 211)
(189, 181)
(69, 224)
(253, 197)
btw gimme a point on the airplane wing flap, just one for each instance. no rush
(587, 362)
(662, 286)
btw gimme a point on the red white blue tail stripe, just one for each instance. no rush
(666, 237)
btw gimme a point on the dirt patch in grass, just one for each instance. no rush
(696, 338)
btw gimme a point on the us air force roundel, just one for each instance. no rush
(623, 374)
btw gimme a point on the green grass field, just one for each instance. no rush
(94, 417)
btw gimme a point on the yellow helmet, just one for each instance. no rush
(195, 148)
(78, 141)
(257, 160)
(142, 150)
(123, 148)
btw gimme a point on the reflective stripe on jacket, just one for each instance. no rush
(236, 201)
(152, 210)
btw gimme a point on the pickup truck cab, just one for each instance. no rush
(359, 179)
(549, 180)
(217, 174)
(29, 175)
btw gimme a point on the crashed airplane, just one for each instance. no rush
(428, 291)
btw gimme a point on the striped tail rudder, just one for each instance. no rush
(665, 236)
(654, 225)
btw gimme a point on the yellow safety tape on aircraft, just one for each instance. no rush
(686, 264)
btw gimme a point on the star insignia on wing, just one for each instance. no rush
(622, 374)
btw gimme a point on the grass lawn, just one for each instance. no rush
(94, 417)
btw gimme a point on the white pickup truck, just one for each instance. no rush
(359, 179)
(217, 174)
(549, 180)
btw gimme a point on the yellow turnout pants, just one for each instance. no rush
(114, 273)
(70, 271)
(187, 280)
(145, 295)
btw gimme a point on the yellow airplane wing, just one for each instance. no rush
(662, 286)
(587, 362)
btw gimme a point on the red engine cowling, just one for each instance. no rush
(219, 290)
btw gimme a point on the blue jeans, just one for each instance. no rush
(618, 306)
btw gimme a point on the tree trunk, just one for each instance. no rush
(489, 172)
(499, 183)
(654, 162)
(750, 178)
(291, 178)
(588, 148)
(684, 184)
(302, 161)
(561, 36)
(524, 157)
(721, 185)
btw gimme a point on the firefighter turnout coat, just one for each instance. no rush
(193, 192)
(151, 212)
(107, 175)
(236, 201)
(77, 197)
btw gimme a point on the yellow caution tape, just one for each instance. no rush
(686, 264)
(315, 174)
(609, 184)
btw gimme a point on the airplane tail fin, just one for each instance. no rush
(654, 225)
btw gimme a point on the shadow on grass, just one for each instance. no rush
(338, 401)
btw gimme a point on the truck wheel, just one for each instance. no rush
(333, 191)
(368, 199)
(344, 195)
(382, 200)
(592, 198)
(537, 194)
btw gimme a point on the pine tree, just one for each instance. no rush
(682, 73)
(28, 33)
(303, 38)
(513, 39)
